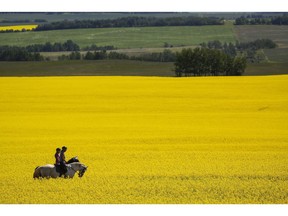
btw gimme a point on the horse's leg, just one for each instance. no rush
(41, 173)
(70, 173)
(67, 174)
(54, 173)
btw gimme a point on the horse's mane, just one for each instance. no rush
(72, 160)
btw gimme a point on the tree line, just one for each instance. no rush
(94, 47)
(246, 49)
(276, 20)
(14, 53)
(165, 56)
(256, 44)
(133, 21)
(68, 45)
(96, 55)
(207, 62)
(24, 21)
(32, 53)
(213, 54)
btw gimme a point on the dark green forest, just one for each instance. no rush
(134, 21)
(261, 20)
(208, 62)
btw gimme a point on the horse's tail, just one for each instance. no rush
(37, 173)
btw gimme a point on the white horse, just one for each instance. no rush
(49, 171)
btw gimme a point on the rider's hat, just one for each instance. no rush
(58, 149)
(64, 147)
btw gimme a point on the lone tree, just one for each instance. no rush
(211, 62)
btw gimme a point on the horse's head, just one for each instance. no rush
(82, 170)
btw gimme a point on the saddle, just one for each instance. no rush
(60, 169)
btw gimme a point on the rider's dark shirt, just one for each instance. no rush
(57, 157)
(62, 157)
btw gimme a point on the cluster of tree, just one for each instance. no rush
(276, 20)
(96, 55)
(165, 56)
(167, 45)
(14, 53)
(69, 45)
(15, 21)
(228, 48)
(203, 62)
(247, 49)
(40, 20)
(257, 44)
(72, 56)
(94, 47)
(131, 22)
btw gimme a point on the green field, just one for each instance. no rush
(279, 34)
(144, 37)
(115, 68)
(86, 68)
(267, 69)
(137, 41)
(277, 55)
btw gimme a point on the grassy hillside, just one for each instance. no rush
(278, 34)
(125, 37)
(146, 139)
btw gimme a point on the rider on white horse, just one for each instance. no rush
(62, 160)
(57, 157)
(51, 171)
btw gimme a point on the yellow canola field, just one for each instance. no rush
(18, 27)
(146, 139)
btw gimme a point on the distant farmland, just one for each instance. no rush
(279, 34)
(87, 68)
(115, 68)
(144, 37)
